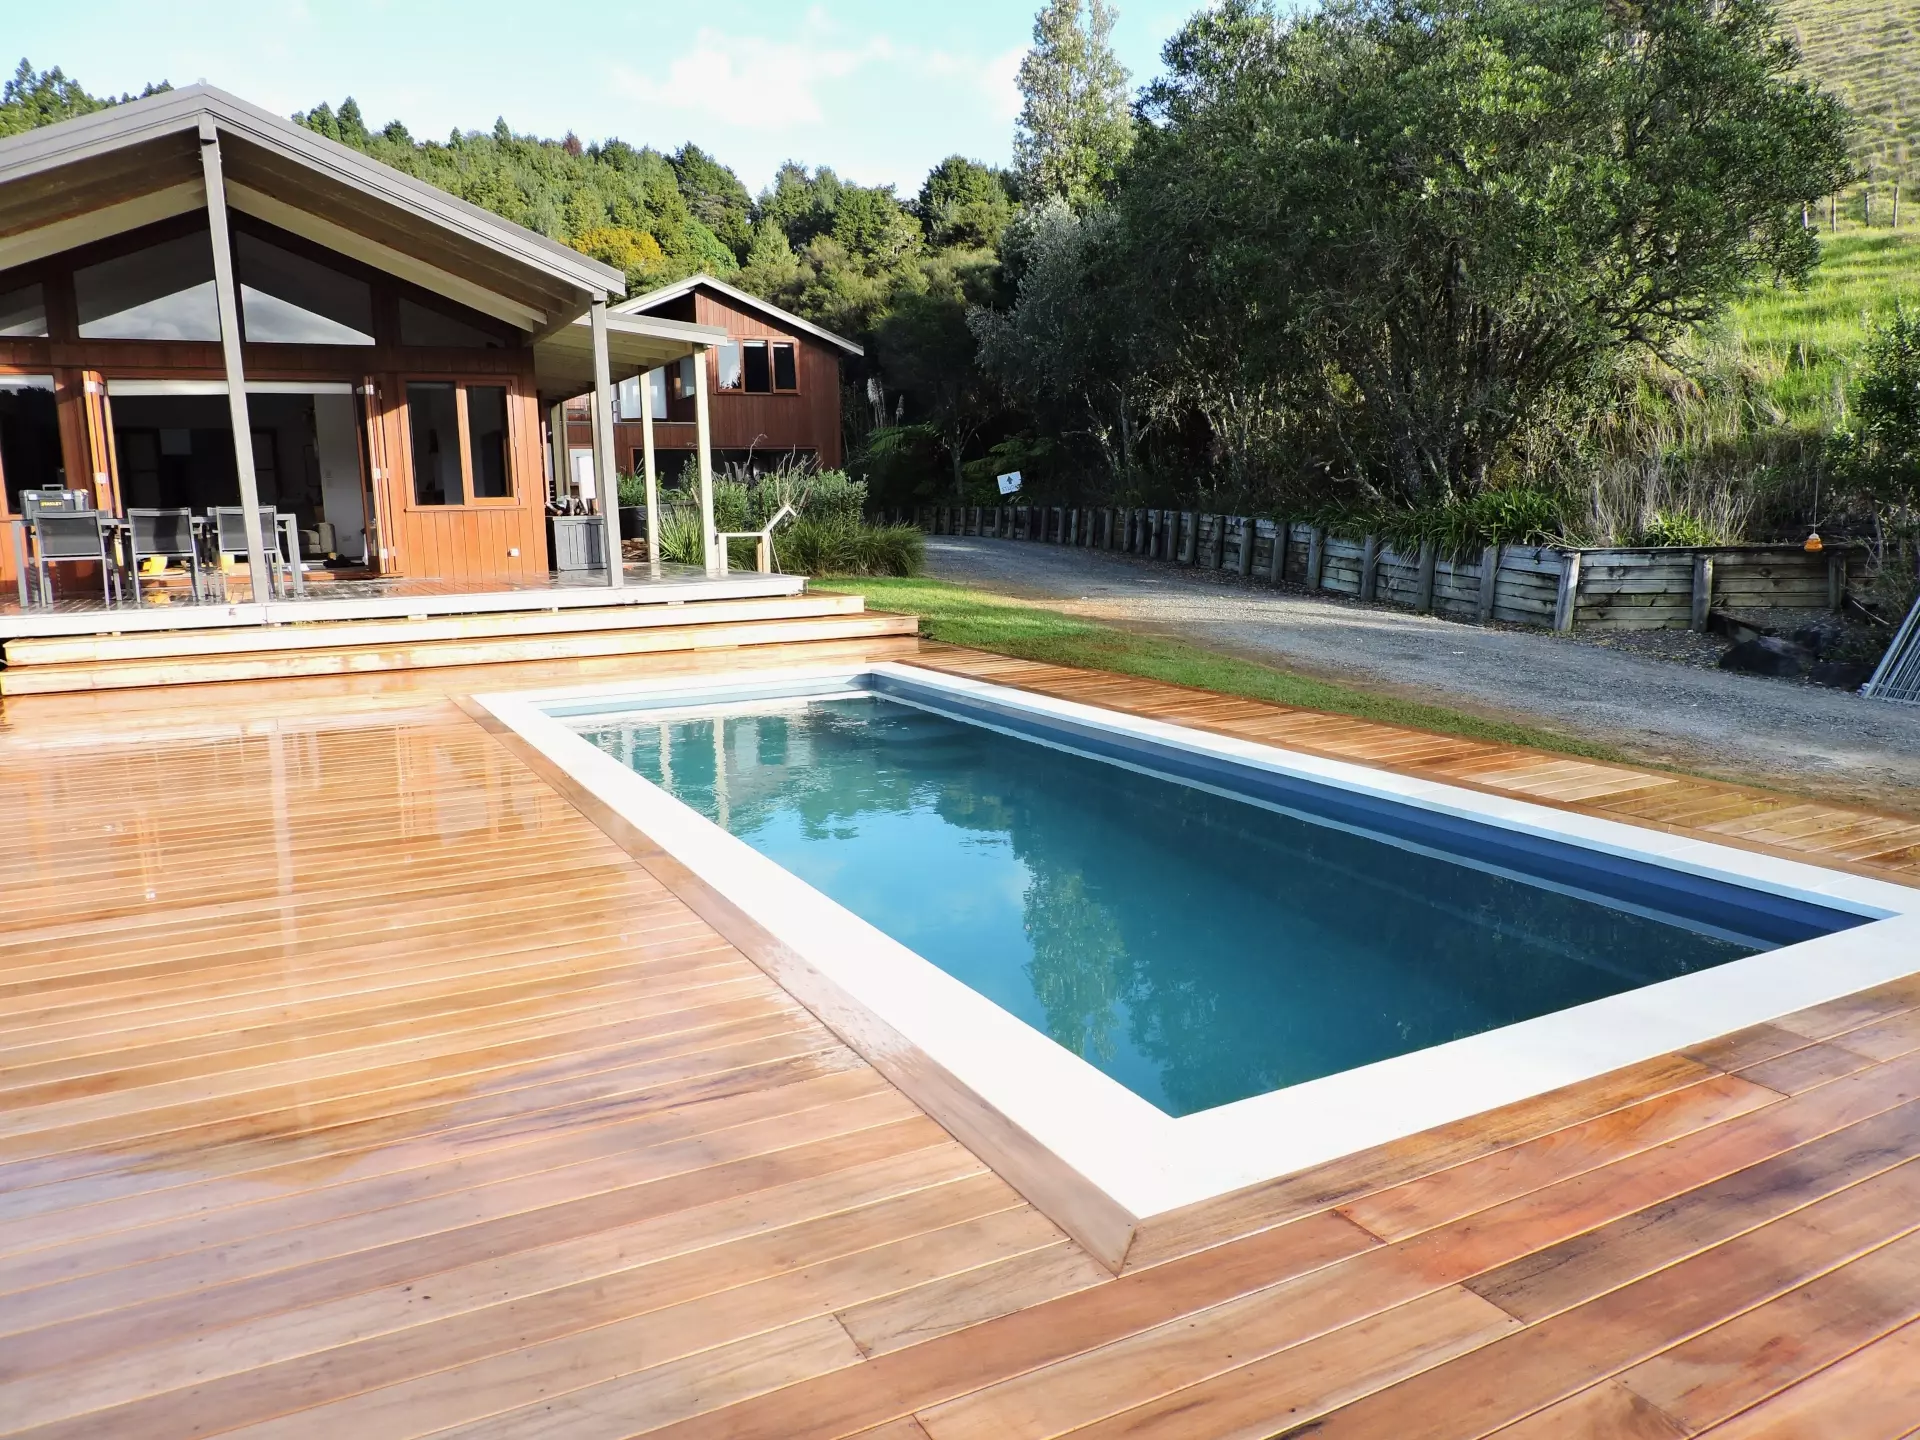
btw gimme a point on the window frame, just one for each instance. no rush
(772, 343)
(468, 500)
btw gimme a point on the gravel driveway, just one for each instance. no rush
(1740, 726)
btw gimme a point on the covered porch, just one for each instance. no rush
(249, 376)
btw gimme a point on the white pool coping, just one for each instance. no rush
(1103, 1159)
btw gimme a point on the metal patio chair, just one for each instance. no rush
(162, 535)
(230, 538)
(63, 536)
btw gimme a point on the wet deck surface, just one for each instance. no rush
(355, 1083)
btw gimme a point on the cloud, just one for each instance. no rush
(752, 82)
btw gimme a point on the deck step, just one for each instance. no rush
(339, 634)
(702, 634)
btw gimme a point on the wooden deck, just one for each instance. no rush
(354, 1082)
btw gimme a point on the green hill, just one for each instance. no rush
(1868, 53)
(1800, 345)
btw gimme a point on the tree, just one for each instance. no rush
(34, 98)
(1074, 128)
(1066, 347)
(927, 349)
(963, 202)
(715, 196)
(1433, 218)
(874, 228)
(1880, 453)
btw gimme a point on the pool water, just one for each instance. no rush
(1198, 948)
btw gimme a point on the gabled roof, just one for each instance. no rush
(640, 304)
(82, 179)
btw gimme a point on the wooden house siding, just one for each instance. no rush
(806, 419)
(472, 541)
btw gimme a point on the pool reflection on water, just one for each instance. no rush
(1197, 948)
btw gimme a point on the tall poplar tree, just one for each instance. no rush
(1075, 126)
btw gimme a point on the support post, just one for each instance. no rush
(605, 483)
(652, 471)
(1277, 561)
(1249, 540)
(1489, 581)
(1569, 596)
(1189, 536)
(1423, 590)
(226, 298)
(703, 438)
(557, 448)
(1836, 581)
(1316, 556)
(1702, 590)
(1369, 567)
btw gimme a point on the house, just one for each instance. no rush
(205, 305)
(774, 384)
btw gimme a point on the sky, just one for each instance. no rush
(882, 90)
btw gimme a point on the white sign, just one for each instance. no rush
(1009, 482)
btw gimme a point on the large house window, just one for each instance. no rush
(759, 370)
(423, 325)
(487, 441)
(23, 314)
(433, 415)
(287, 299)
(460, 442)
(30, 456)
(632, 395)
(757, 367)
(164, 292)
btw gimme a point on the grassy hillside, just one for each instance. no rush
(1868, 53)
(1800, 345)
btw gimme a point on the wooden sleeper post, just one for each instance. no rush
(1249, 538)
(1429, 562)
(1702, 590)
(1566, 601)
(1277, 561)
(1369, 566)
(1489, 581)
(1316, 555)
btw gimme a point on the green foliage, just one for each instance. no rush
(35, 98)
(965, 203)
(715, 196)
(1458, 529)
(1674, 527)
(1880, 453)
(622, 205)
(1075, 129)
(1491, 200)
(842, 546)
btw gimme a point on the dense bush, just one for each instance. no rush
(828, 533)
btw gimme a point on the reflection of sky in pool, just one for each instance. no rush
(1196, 948)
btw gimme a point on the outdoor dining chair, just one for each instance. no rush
(162, 535)
(230, 538)
(63, 536)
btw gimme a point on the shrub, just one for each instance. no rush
(826, 546)
(1676, 527)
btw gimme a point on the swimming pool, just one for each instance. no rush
(1138, 965)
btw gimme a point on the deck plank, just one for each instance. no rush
(381, 1091)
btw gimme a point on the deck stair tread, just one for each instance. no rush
(66, 665)
(333, 634)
